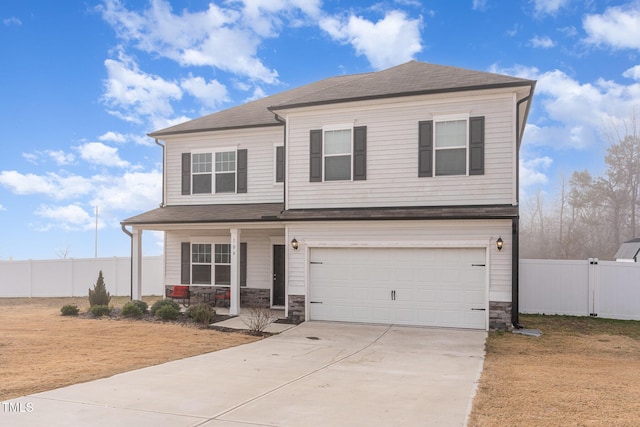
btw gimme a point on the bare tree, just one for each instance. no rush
(63, 253)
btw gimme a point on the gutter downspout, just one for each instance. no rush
(163, 168)
(515, 225)
(130, 234)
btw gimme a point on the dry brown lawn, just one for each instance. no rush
(42, 350)
(581, 372)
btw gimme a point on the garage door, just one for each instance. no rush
(431, 287)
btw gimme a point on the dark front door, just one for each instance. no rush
(278, 274)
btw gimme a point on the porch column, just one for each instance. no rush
(136, 264)
(234, 304)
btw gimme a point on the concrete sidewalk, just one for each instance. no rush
(315, 374)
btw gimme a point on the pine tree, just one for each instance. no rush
(99, 294)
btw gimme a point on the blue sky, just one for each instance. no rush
(83, 82)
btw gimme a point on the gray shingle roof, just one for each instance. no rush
(260, 212)
(184, 214)
(411, 78)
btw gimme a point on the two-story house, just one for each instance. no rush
(385, 197)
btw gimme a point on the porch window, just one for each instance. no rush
(222, 264)
(201, 264)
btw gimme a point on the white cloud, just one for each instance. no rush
(100, 154)
(548, 7)
(534, 171)
(618, 27)
(56, 186)
(130, 192)
(71, 217)
(2, 208)
(31, 157)
(60, 157)
(136, 93)
(632, 73)
(574, 113)
(543, 42)
(479, 4)
(210, 94)
(215, 37)
(113, 137)
(390, 41)
(12, 21)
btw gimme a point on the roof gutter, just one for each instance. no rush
(130, 234)
(163, 167)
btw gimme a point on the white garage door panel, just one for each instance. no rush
(434, 287)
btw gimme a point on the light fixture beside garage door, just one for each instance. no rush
(295, 244)
(499, 243)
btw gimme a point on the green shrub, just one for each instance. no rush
(202, 313)
(167, 312)
(131, 309)
(70, 310)
(163, 303)
(100, 310)
(143, 306)
(99, 294)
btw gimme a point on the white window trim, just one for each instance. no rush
(326, 128)
(450, 118)
(213, 169)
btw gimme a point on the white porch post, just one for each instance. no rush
(234, 304)
(136, 264)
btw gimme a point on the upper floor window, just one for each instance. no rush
(451, 145)
(226, 172)
(201, 169)
(214, 172)
(337, 155)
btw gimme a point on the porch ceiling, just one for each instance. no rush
(202, 214)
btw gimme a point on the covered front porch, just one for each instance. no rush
(217, 247)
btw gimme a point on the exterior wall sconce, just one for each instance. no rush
(499, 243)
(295, 244)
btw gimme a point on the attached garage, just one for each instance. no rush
(444, 287)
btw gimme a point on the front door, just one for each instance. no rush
(278, 275)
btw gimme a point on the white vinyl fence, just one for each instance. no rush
(73, 277)
(580, 288)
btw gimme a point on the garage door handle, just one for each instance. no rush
(478, 265)
(315, 302)
(479, 309)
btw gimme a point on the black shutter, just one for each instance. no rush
(242, 171)
(425, 148)
(280, 164)
(359, 153)
(243, 264)
(185, 263)
(476, 146)
(186, 173)
(315, 156)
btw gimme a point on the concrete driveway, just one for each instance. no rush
(316, 374)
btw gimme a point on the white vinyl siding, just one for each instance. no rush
(259, 144)
(392, 154)
(424, 234)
